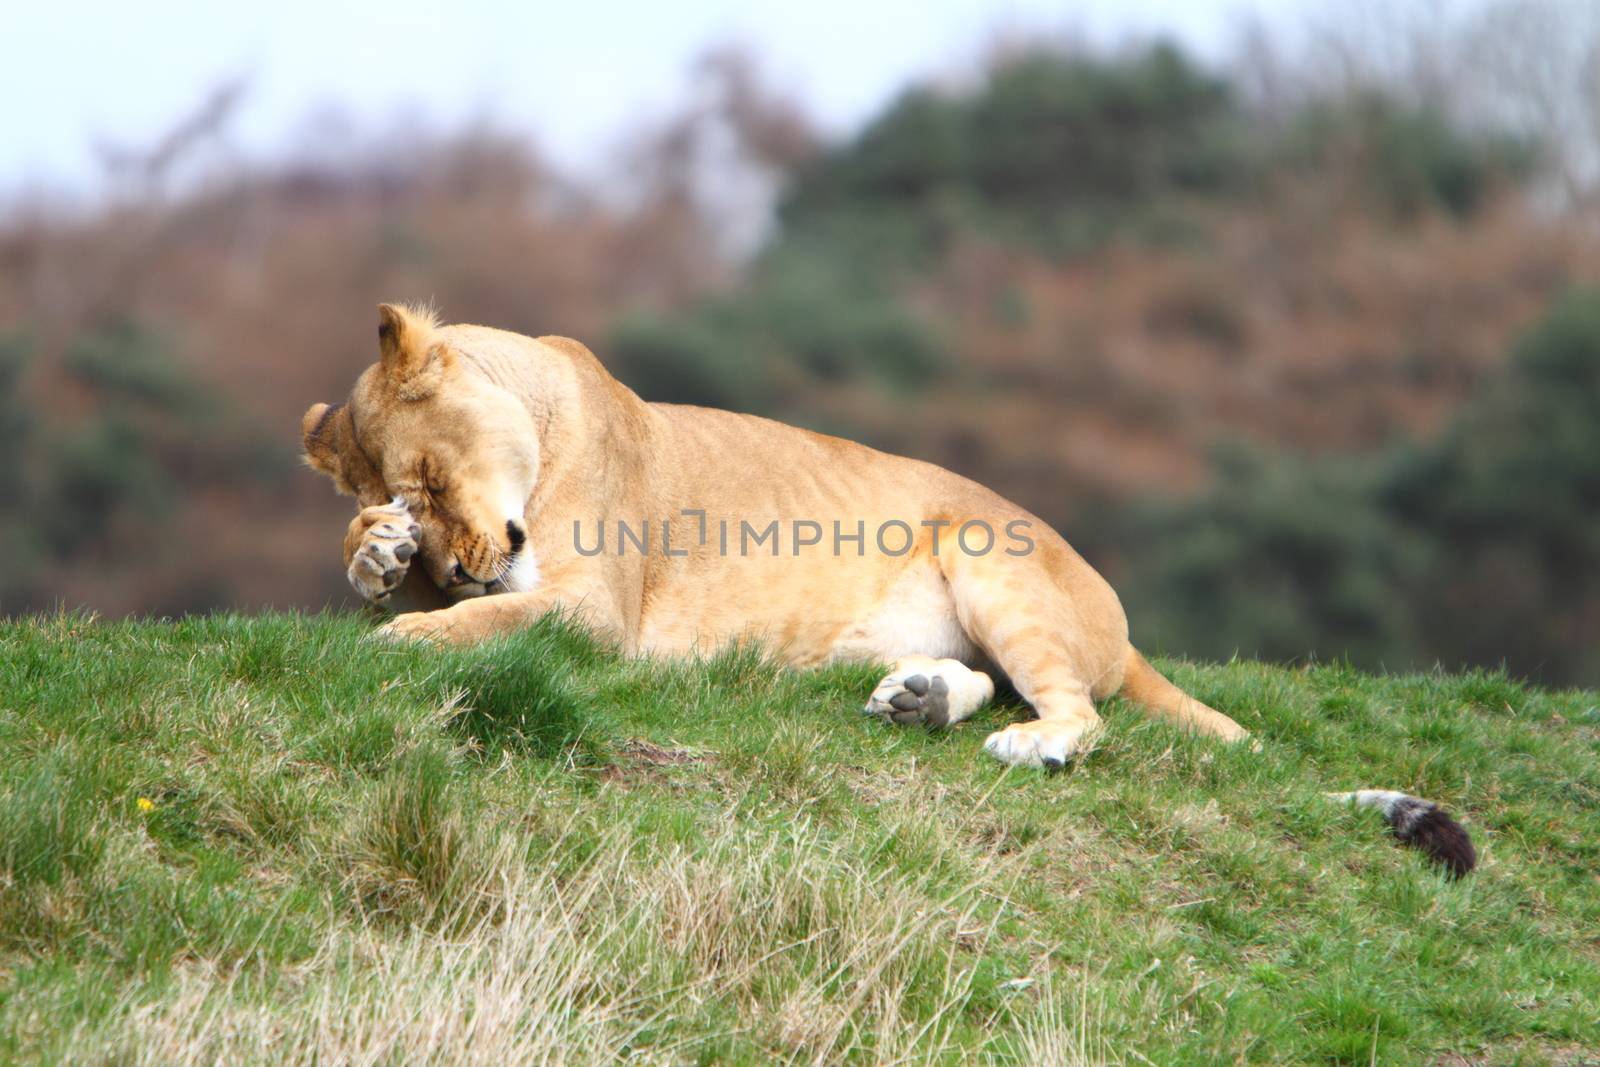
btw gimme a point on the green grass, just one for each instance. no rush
(231, 840)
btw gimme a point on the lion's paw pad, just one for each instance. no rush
(386, 551)
(914, 700)
(928, 692)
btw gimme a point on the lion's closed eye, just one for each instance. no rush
(432, 482)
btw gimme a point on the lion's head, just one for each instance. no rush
(425, 424)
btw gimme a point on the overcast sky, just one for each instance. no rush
(572, 73)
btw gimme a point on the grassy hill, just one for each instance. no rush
(265, 840)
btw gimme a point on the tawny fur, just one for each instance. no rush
(490, 436)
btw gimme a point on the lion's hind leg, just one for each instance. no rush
(921, 690)
(1067, 727)
(1056, 630)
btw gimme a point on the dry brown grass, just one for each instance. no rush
(580, 961)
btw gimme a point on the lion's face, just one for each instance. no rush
(428, 428)
(463, 459)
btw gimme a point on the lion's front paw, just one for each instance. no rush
(425, 626)
(929, 692)
(384, 552)
(1048, 743)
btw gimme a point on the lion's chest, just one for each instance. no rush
(524, 576)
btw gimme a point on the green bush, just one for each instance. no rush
(16, 427)
(1055, 151)
(687, 360)
(800, 324)
(1054, 148)
(1284, 559)
(1480, 547)
(1407, 158)
(1511, 498)
(113, 477)
(100, 474)
(16, 421)
(134, 365)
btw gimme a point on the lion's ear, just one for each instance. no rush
(325, 433)
(414, 362)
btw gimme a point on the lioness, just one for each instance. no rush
(501, 463)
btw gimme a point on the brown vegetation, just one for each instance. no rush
(1294, 316)
(1289, 327)
(265, 287)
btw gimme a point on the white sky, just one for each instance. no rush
(571, 73)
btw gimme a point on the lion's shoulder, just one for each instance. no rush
(567, 345)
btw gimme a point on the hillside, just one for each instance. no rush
(265, 840)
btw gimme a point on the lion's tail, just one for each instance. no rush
(1421, 824)
(1147, 687)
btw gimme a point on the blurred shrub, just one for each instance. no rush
(127, 363)
(1404, 158)
(800, 323)
(1065, 150)
(109, 482)
(1053, 152)
(1057, 148)
(1280, 560)
(1480, 547)
(17, 547)
(15, 418)
(683, 360)
(1054, 148)
(102, 478)
(1510, 499)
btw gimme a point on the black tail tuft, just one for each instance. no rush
(1424, 825)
